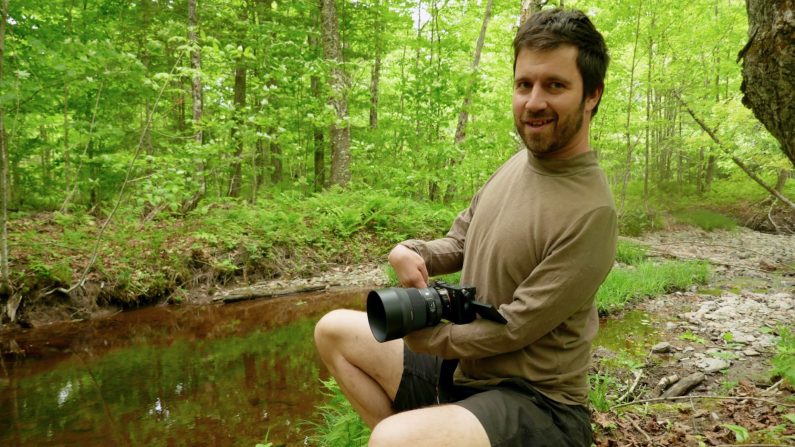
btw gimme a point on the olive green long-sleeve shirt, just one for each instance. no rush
(536, 241)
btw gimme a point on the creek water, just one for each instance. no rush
(233, 374)
(227, 375)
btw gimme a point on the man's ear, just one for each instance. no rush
(593, 99)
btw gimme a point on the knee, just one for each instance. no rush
(331, 330)
(387, 433)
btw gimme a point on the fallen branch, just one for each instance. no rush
(254, 293)
(663, 399)
(736, 160)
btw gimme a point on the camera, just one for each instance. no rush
(394, 312)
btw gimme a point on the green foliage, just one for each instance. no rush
(601, 385)
(648, 279)
(784, 360)
(706, 220)
(341, 426)
(630, 253)
(690, 336)
(634, 222)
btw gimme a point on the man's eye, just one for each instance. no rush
(556, 85)
(523, 85)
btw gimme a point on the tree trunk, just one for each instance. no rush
(235, 179)
(769, 68)
(319, 147)
(4, 286)
(196, 93)
(340, 129)
(628, 133)
(375, 76)
(530, 7)
(463, 115)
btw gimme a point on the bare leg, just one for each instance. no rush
(368, 372)
(445, 425)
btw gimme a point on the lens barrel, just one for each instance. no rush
(394, 312)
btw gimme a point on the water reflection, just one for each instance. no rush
(204, 375)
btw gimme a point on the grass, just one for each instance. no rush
(341, 426)
(623, 285)
(784, 360)
(706, 220)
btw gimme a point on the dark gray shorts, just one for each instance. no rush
(513, 413)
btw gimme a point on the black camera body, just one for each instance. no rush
(394, 312)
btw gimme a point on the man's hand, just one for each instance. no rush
(409, 267)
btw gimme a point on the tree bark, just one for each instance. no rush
(317, 134)
(197, 96)
(769, 69)
(4, 285)
(235, 179)
(375, 76)
(340, 129)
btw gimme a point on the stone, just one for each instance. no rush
(661, 348)
(710, 365)
(750, 352)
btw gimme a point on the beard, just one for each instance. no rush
(563, 132)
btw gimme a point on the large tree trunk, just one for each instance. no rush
(196, 93)
(769, 68)
(4, 289)
(340, 129)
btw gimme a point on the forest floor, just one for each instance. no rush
(718, 339)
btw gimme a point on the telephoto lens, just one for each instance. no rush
(394, 312)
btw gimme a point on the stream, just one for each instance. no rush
(234, 374)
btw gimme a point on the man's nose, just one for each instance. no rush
(535, 100)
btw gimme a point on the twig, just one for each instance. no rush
(662, 399)
(637, 427)
(770, 217)
(638, 375)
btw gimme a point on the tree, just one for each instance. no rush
(196, 93)
(3, 162)
(769, 68)
(340, 129)
(463, 115)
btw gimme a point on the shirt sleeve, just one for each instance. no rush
(563, 283)
(446, 255)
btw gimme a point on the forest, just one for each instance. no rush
(155, 113)
(167, 151)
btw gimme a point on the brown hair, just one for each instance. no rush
(551, 28)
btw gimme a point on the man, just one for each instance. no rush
(536, 241)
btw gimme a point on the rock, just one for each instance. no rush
(750, 352)
(711, 365)
(661, 348)
(670, 326)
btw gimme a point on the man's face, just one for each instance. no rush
(549, 110)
